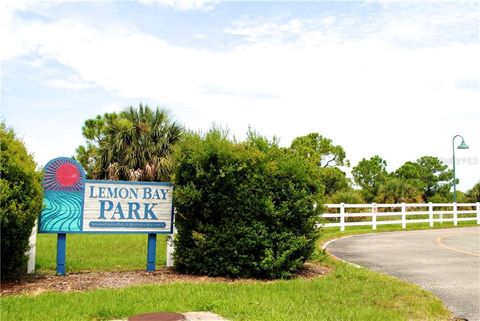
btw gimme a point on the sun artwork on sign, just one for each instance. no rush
(63, 175)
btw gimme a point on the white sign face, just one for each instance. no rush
(127, 207)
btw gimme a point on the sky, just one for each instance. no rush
(391, 78)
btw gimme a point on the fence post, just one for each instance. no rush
(404, 216)
(32, 241)
(430, 214)
(478, 213)
(170, 249)
(374, 216)
(342, 217)
(455, 214)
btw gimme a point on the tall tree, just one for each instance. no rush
(473, 194)
(319, 150)
(429, 174)
(135, 144)
(94, 131)
(334, 180)
(328, 157)
(370, 174)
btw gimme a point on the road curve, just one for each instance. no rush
(444, 261)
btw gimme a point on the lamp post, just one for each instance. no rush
(461, 146)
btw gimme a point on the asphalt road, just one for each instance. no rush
(445, 262)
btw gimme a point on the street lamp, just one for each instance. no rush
(461, 146)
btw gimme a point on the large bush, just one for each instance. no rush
(243, 209)
(20, 199)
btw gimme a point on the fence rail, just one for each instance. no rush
(340, 215)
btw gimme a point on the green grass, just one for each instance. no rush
(122, 252)
(346, 294)
(98, 252)
(329, 233)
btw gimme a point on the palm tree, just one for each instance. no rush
(474, 193)
(138, 145)
(398, 190)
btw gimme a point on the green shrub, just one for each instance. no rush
(20, 199)
(243, 209)
(347, 197)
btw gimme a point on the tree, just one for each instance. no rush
(334, 180)
(243, 209)
(94, 131)
(398, 190)
(428, 174)
(473, 195)
(320, 150)
(136, 144)
(323, 153)
(370, 174)
(21, 198)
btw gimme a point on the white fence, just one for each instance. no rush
(341, 215)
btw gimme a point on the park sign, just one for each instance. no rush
(74, 204)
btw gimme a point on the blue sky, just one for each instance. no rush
(393, 78)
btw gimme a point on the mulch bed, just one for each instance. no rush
(35, 285)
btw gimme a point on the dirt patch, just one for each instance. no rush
(35, 285)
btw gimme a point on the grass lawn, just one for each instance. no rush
(347, 293)
(98, 252)
(331, 233)
(92, 252)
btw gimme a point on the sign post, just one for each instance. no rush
(151, 252)
(74, 204)
(61, 253)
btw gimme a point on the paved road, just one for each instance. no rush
(445, 262)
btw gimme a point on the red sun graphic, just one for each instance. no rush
(67, 175)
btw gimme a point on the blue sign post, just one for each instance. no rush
(73, 204)
(61, 253)
(151, 252)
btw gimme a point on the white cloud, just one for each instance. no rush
(71, 83)
(416, 24)
(11, 45)
(182, 4)
(288, 79)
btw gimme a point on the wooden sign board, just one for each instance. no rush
(74, 204)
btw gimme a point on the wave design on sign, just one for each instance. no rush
(62, 212)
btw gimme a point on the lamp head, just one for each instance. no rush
(463, 145)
